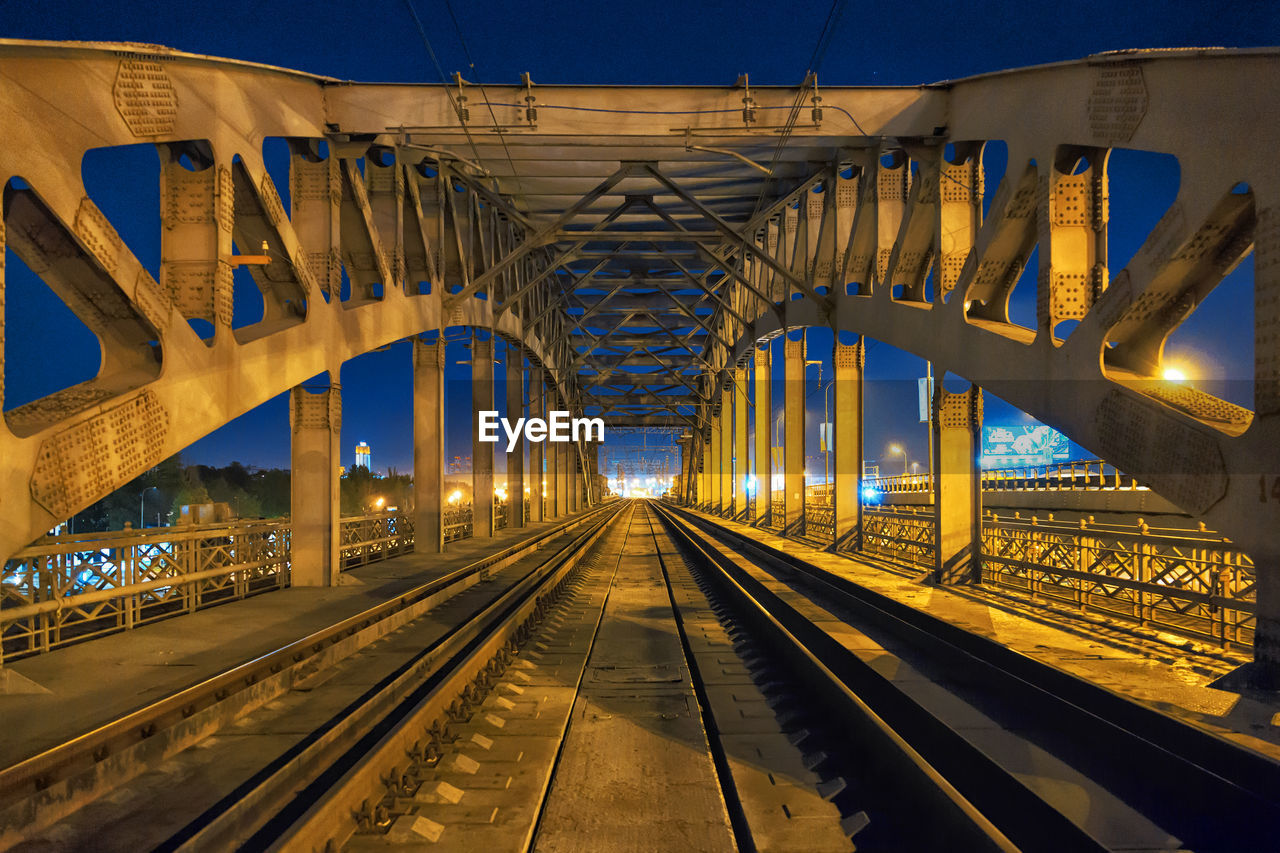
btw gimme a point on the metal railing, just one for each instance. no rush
(1081, 475)
(69, 588)
(367, 538)
(1190, 582)
(904, 534)
(777, 511)
(819, 520)
(457, 523)
(899, 484)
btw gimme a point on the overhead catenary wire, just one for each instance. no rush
(466, 52)
(457, 108)
(815, 61)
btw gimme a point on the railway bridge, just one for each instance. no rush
(656, 257)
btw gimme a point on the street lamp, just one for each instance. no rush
(896, 449)
(142, 502)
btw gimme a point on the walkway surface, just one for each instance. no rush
(1176, 684)
(95, 682)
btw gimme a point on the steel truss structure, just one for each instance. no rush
(637, 243)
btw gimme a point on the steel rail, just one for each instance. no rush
(65, 776)
(1228, 796)
(790, 636)
(313, 800)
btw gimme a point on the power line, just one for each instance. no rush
(444, 80)
(466, 52)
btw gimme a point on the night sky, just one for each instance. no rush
(654, 42)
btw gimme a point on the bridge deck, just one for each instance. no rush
(616, 683)
(92, 683)
(1171, 679)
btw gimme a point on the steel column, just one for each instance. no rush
(713, 470)
(849, 361)
(481, 451)
(575, 477)
(428, 447)
(553, 451)
(315, 505)
(764, 442)
(562, 473)
(515, 457)
(957, 496)
(793, 437)
(726, 450)
(741, 452)
(537, 477)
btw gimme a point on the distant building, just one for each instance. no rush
(364, 456)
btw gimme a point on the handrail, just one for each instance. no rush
(1078, 475)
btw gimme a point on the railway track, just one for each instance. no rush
(110, 787)
(1052, 761)
(643, 679)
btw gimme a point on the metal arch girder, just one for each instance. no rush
(1058, 104)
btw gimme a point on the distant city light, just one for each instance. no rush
(456, 496)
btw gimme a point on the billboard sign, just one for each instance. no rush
(1023, 445)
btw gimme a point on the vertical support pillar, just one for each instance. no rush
(682, 484)
(957, 498)
(849, 361)
(575, 476)
(726, 448)
(428, 447)
(553, 452)
(741, 454)
(695, 467)
(793, 436)
(713, 470)
(315, 506)
(515, 456)
(1264, 673)
(198, 211)
(593, 458)
(704, 484)
(764, 443)
(481, 451)
(553, 478)
(562, 476)
(537, 477)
